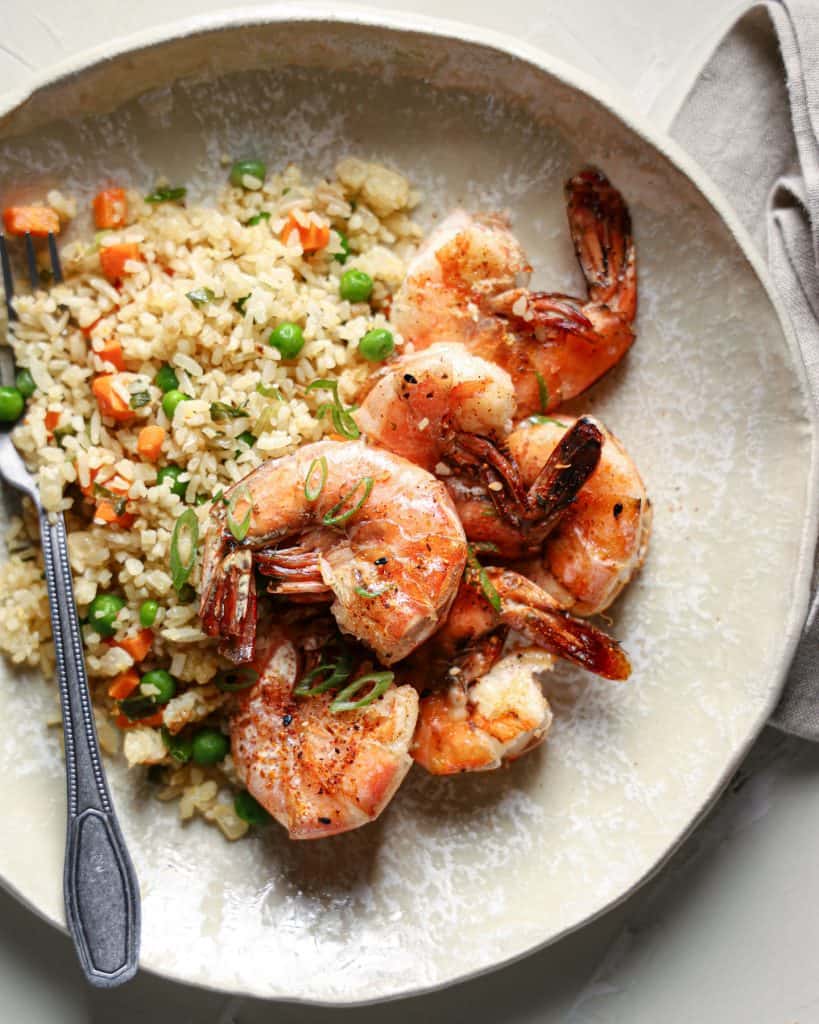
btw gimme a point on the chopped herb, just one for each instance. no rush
(269, 391)
(62, 432)
(234, 679)
(335, 517)
(200, 296)
(542, 391)
(537, 419)
(381, 683)
(239, 529)
(239, 304)
(222, 411)
(341, 257)
(166, 195)
(342, 419)
(140, 398)
(488, 587)
(138, 706)
(310, 493)
(337, 672)
(184, 539)
(363, 592)
(258, 218)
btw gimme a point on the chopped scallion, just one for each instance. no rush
(487, 586)
(269, 391)
(239, 529)
(184, 539)
(381, 683)
(337, 517)
(140, 398)
(339, 671)
(234, 679)
(223, 411)
(311, 494)
(543, 391)
(166, 195)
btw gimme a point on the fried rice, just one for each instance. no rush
(207, 288)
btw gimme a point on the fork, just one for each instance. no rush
(102, 905)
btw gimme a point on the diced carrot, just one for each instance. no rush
(110, 208)
(87, 330)
(123, 722)
(51, 419)
(110, 403)
(106, 513)
(124, 684)
(111, 352)
(114, 257)
(312, 236)
(109, 486)
(137, 645)
(149, 442)
(38, 221)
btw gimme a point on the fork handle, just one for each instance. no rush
(99, 883)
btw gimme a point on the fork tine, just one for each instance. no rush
(56, 268)
(8, 282)
(33, 274)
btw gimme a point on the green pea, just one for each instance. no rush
(166, 379)
(163, 681)
(250, 810)
(288, 339)
(377, 345)
(173, 473)
(171, 400)
(355, 286)
(147, 613)
(179, 747)
(341, 257)
(24, 383)
(254, 168)
(210, 746)
(102, 613)
(11, 405)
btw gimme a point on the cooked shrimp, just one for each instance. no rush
(418, 403)
(316, 772)
(341, 522)
(468, 283)
(601, 541)
(493, 708)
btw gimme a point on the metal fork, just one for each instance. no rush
(101, 893)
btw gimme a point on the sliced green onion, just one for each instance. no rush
(258, 218)
(342, 419)
(166, 195)
(335, 517)
(309, 493)
(339, 672)
(537, 419)
(345, 424)
(487, 586)
(269, 391)
(323, 384)
(140, 398)
(185, 532)
(234, 679)
(239, 529)
(200, 296)
(542, 391)
(239, 304)
(363, 592)
(137, 707)
(223, 411)
(381, 683)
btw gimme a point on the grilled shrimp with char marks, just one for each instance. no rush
(342, 522)
(318, 773)
(468, 282)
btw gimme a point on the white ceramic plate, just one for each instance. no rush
(463, 874)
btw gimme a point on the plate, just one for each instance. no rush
(463, 874)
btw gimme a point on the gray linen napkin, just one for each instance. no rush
(752, 121)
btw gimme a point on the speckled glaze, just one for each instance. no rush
(462, 874)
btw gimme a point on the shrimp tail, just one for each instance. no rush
(229, 605)
(600, 227)
(481, 457)
(537, 615)
(566, 470)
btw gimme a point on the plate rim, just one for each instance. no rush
(621, 106)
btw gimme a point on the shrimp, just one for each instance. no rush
(418, 403)
(448, 410)
(315, 772)
(493, 709)
(596, 544)
(342, 522)
(602, 540)
(468, 282)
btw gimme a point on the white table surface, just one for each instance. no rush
(728, 931)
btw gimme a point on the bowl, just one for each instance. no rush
(462, 874)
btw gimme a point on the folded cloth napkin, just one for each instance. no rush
(752, 121)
